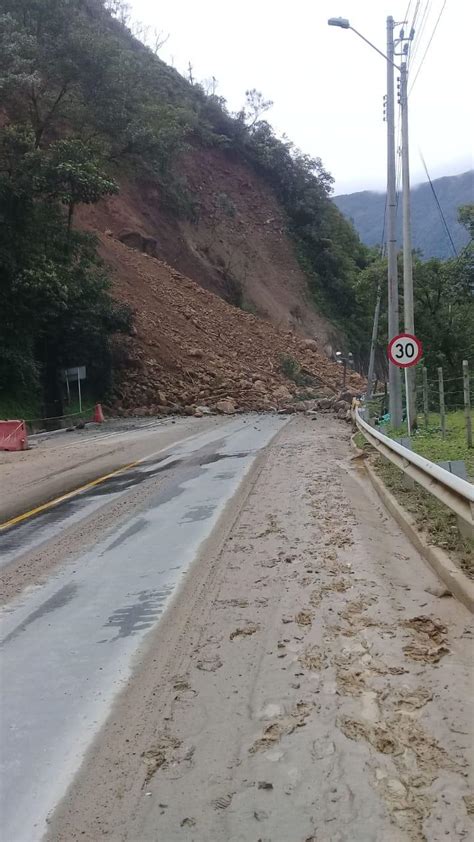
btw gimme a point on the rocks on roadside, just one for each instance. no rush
(438, 589)
(340, 405)
(282, 393)
(226, 407)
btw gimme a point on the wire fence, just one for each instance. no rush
(442, 405)
(58, 422)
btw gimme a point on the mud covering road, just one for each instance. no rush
(305, 683)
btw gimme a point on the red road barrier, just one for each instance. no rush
(13, 435)
(98, 416)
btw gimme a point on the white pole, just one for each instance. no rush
(408, 309)
(407, 399)
(79, 390)
(467, 401)
(373, 344)
(395, 396)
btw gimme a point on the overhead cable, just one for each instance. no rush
(448, 232)
(428, 46)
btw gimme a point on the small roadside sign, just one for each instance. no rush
(78, 373)
(405, 350)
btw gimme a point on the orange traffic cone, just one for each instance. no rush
(98, 414)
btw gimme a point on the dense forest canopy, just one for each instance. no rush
(85, 103)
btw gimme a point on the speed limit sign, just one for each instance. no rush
(405, 350)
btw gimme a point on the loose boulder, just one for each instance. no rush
(281, 394)
(309, 345)
(226, 407)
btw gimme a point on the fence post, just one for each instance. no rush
(426, 407)
(467, 401)
(442, 411)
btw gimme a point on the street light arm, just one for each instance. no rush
(374, 47)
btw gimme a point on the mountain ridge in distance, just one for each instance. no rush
(366, 208)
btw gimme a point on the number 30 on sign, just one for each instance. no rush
(405, 350)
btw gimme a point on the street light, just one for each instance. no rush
(393, 306)
(342, 22)
(345, 361)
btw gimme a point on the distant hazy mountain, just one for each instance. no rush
(366, 211)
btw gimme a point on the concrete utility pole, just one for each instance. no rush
(408, 309)
(373, 343)
(395, 395)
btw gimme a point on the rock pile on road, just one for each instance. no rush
(193, 353)
(339, 404)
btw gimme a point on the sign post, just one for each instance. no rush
(407, 401)
(79, 372)
(404, 351)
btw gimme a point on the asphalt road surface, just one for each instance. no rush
(231, 641)
(68, 646)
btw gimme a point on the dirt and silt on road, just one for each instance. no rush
(303, 685)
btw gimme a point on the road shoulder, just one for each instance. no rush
(60, 464)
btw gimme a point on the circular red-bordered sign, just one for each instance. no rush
(405, 350)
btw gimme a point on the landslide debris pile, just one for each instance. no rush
(191, 349)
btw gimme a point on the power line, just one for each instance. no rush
(421, 30)
(428, 46)
(439, 206)
(419, 33)
(407, 12)
(415, 15)
(382, 239)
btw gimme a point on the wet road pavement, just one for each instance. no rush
(68, 646)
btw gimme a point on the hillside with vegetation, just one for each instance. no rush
(90, 113)
(106, 150)
(366, 211)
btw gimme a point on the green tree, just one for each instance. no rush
(73, 172)
(466, 218)
(56, 304)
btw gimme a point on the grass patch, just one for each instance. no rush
(431, 517)
(428, 441)
(30, 409)
(362, 442)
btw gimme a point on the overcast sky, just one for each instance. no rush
(327, 85)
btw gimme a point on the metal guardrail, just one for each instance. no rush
(454, 492)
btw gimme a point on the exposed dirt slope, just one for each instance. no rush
(237, 246)
(192, 348)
